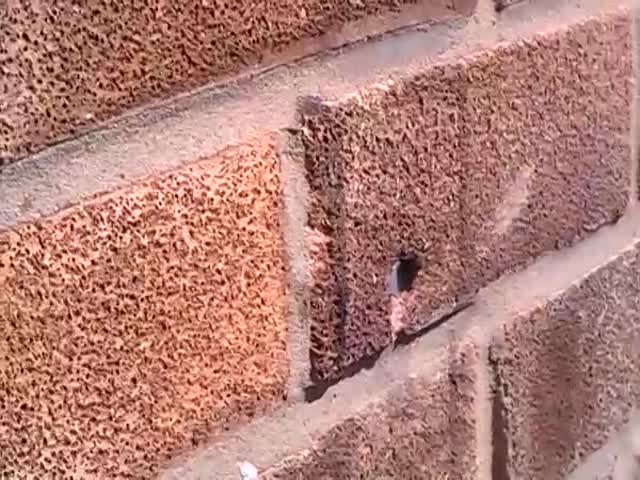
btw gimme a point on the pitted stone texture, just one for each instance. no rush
(570, 371)
(477, 165)
(426, 428)
(525, 190)
(66, 67)
(138, 324)
(381, 179)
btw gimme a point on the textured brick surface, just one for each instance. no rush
(478, 166)
(525, 189)
(137, 324)
(570, 371)
(423, 429)
(64, 66)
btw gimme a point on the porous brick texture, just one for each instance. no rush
(138, 324)
(203, 316)
(569, 372)
(529, 383)
(423, 428)
(525, 190)
(477, 166)
(66, 66)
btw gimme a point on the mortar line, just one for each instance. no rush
(483, 411)
(334, 41)
(292, 431)
(295, 211)
(634, 134)
(161, 139)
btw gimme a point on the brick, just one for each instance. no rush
(425, 427)
(137, 324)
(525, 188)
(422, 412)
(475, 165)
(568, 372)
(67, 68)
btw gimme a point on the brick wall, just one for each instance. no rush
(368, 240)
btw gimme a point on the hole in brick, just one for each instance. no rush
(403, 273)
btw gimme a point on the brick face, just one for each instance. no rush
(570, 370)
(66, 67)
(476, 165)
(138, 324)
(539, 117)
(550, 377)
(423, 429)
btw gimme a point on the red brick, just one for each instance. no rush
(528, 383)
(477, 165)
(66, 68)
(526, 189)
(569, 372)
(424, 428)
(138, 324)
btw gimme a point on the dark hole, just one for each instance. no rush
(404, 272)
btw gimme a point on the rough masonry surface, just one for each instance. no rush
(424, 427)
(139, 324)
(477, 166)
(563, 370)
(569, 370)
(527, 383)
(66, 66)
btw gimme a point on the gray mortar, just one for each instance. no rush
(635, 120)
(600, 464)
(616, 459)
(293, 430)
(627, 465)
(195, 126)
(291, 154)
